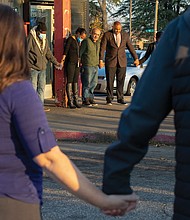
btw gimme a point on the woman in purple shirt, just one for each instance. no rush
(26, 142)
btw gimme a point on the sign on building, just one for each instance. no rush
(79, 14)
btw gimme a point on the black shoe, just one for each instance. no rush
(71, 105)
(121, 101)
(77, 104)
(86, 102)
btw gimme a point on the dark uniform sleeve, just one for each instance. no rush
(151, 103)
(147, 54)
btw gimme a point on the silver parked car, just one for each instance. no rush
(133, 75)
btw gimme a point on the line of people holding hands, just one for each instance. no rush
(27, 144)
(83, 54)
(90, 54)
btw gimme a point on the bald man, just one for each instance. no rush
(89, 56)
(114, 42)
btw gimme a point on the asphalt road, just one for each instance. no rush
(152, 180)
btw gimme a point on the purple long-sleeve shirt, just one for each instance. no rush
(24, 134)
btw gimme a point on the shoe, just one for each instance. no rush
(71, 105)
(75, 95)
(121, 101)
(109, 103)
(70, 96)
(77, 104)
(93, 102)
(46, 109)
(86, 102)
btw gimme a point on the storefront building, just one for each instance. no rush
(33, 11)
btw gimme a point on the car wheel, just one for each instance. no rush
(131, 86)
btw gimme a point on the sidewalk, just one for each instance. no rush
(97, 123)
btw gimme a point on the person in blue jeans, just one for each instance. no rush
(89, 58)
(39, 54)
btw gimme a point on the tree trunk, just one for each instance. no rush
(103, 6)
(104, 15)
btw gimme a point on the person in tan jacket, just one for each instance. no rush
(39, 54)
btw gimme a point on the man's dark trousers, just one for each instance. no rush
(120, 73)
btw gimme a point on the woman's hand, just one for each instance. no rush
(59, 66)
(119, 205)
(61, 168)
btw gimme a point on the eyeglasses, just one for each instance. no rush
(96, 34)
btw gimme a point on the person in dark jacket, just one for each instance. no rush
(168, 72)
(151, 47)
(39, 54)
(115, 42)
(72, 68)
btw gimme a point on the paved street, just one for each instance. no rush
(152, 180)
(83, 135)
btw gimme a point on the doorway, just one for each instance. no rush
(45, 13)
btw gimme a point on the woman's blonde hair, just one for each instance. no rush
(13, 48)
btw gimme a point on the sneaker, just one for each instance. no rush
(109, 103)
(121, 101)
(93, 102)
(46, 109)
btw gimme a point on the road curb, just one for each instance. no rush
(95, 137)
(164, 139)
(107, 137)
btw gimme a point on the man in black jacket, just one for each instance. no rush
(151, 47)
(168, 72)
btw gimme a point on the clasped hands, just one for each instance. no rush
(59, 66)
(136, 62)
(119, 205)
(101, 64)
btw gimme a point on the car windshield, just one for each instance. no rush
(130, 59)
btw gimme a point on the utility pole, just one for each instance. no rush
(130, 19)
(156, 19)
(62, 29)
